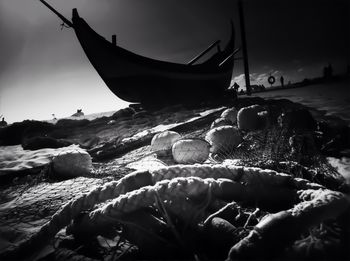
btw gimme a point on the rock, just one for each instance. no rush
(248, 118)
(223, 139)
(36, 143)
(230, 114)
(72, 163)
(162, 142)
(189, 151)
(220, 122)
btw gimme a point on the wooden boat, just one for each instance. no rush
(138, 79)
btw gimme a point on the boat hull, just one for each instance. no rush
(138, 79)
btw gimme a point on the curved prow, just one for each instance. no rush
(216, 43)
(65, 20)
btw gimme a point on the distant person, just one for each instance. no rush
(330, 70)
(3, 123)
(325, 72)
(233, 91)
(79, 113)
(282, 81)
(54, 117)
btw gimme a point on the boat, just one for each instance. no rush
(138, 79)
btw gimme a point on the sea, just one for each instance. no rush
(332, 99)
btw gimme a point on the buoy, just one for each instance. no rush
(230, 114)
(72, 163)
(223, 139)
(162, 142)
(248, 118)
(188, 151)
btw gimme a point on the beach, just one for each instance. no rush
(285, 150)
(330, 101)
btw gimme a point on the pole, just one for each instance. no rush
(114, 39)
(65, 20)
(244, 47)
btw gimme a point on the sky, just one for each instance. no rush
(43, 69)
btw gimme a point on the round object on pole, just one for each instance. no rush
(271, 80)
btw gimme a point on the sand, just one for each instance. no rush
(121, 146)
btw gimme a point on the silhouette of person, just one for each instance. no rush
(234, 90)
(3, 123)
(330, 70)
(282, 81)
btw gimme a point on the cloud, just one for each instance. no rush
(275, 72)
(261, 77)
(300, 69)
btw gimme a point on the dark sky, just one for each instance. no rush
(43, 69)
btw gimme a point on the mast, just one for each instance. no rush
(244, 47)
(65, 20)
